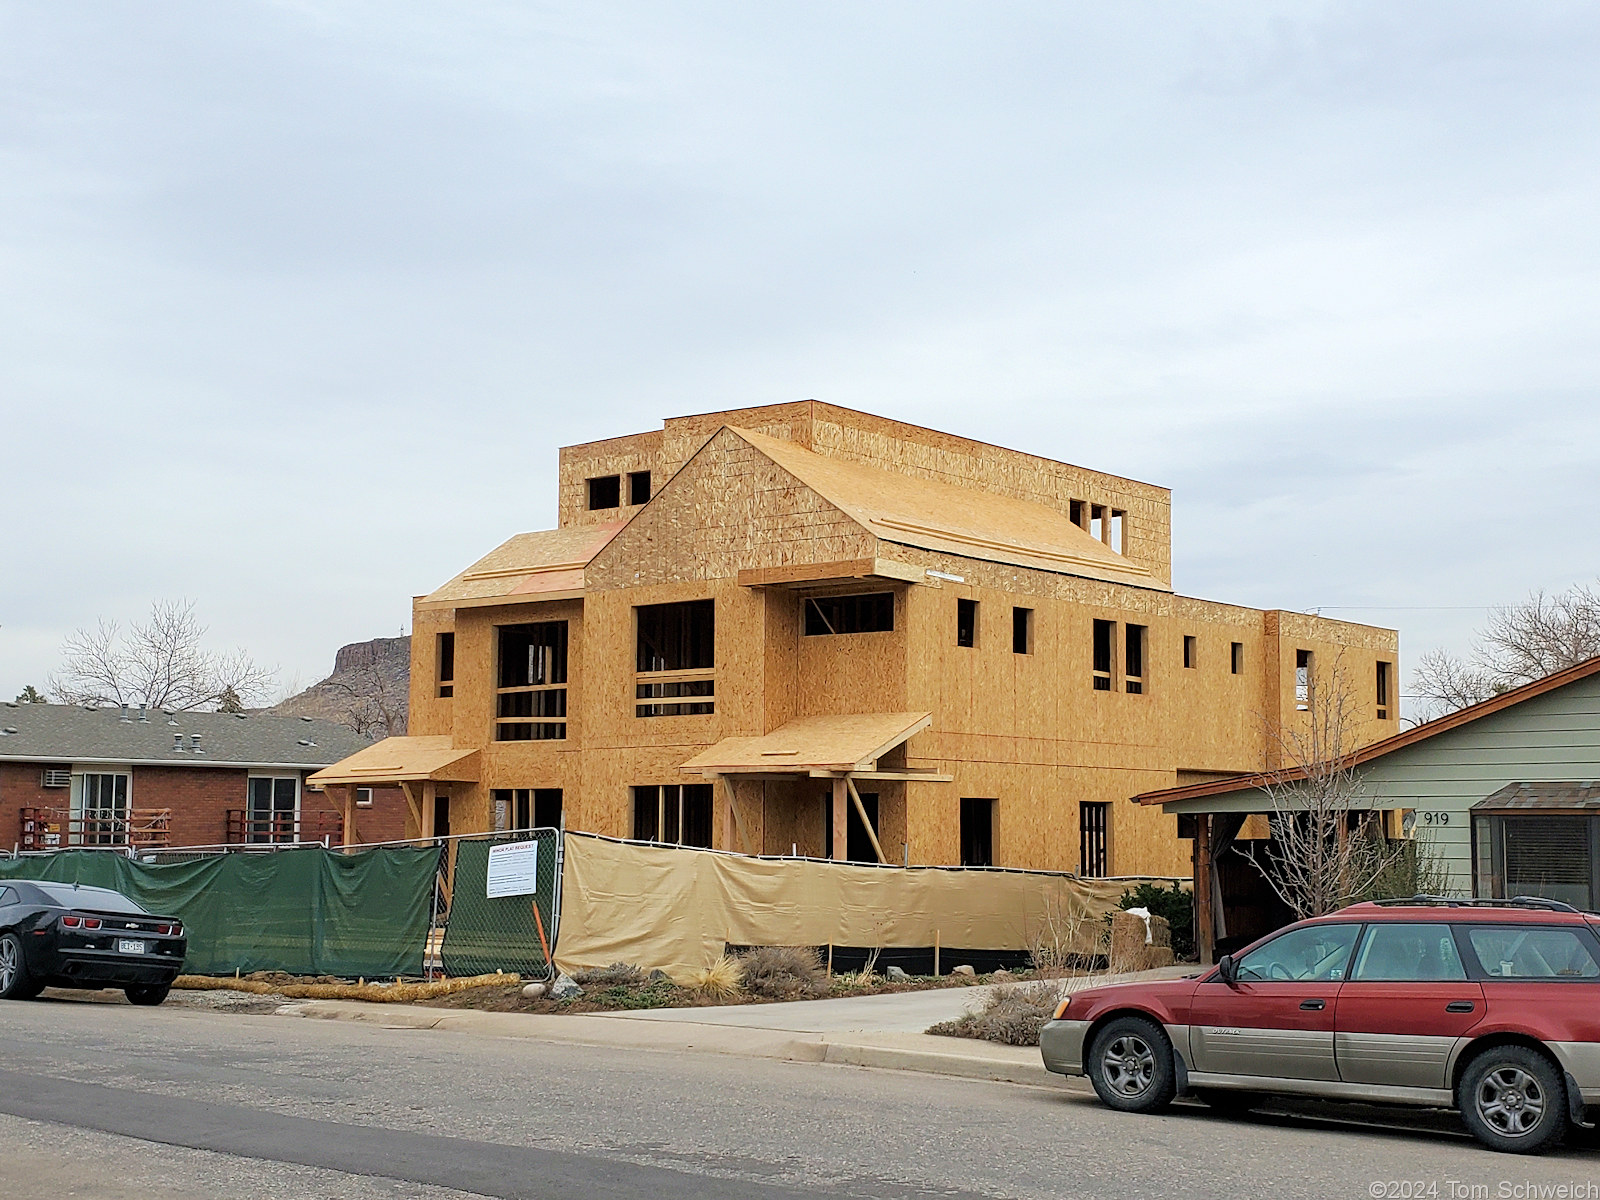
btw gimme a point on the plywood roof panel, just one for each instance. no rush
(528, 565)
(408, 758)
(840, 742)
(954, 520)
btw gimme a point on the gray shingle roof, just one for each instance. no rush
(69, 733)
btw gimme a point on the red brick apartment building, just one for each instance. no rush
(74, 775)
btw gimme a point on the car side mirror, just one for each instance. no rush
(1228, 969)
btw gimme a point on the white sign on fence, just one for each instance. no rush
(513, 869)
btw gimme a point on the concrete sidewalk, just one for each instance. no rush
(865, 1031)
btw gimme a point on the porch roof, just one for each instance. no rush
(1569, 797)
(398, 759)
(845, 742)
(547, 565)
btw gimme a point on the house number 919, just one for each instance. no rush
(1436, 818)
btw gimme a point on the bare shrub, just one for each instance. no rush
(616, 975)
(719, 981)
(1011, 1016)
(784, 973)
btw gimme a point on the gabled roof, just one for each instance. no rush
(844, 742)
(546, 565)
(953, 520)
(1444, 724)
(71, 733)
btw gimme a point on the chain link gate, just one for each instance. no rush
(476, 934)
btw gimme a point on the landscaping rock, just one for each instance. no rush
(895, 974)
(534, 991)
(565, 988)
(963, 969)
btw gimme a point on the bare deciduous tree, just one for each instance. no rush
(160, 663)
(1518, 644)
(1325, 850)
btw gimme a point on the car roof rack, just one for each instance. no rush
(1459, 902)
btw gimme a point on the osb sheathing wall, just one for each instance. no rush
(1028, 731)
(429, 714)
(890, 445)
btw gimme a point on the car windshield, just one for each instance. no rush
(98, 899)
(1312, 953)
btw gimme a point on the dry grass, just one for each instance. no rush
(1011, 1016)
(784, 973)
(383, 993)
(616, 975)
(719, 981)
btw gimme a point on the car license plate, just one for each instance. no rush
(130, 946)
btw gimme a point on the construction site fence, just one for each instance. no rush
(680, 909)
(303, 910)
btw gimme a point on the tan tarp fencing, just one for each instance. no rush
(674, 909)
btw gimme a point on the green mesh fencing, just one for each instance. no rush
(482, 935)
(305, 911)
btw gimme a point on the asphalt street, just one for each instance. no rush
(109, 1102)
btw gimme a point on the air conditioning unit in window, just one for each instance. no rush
(57, 778)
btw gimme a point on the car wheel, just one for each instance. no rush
(15, 982)
(1130, 1066)
(1513, 1099)
(147, 994)
(1226, 1100)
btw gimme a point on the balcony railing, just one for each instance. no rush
(61, 828)
(307, 826)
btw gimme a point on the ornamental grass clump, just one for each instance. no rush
(784, 973)
(719, 981)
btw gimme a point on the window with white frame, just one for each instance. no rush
(272, 810)
(99, 814)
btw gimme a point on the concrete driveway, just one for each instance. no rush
(898, 1012)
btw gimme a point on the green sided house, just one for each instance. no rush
(1506, 793)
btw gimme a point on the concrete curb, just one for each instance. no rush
(885, 1051)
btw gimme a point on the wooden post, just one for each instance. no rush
(1205, 924)
(721, 783)
(350, 838)
(415, 828)
(841, 826)
(936, 952)
(861, 811)
(430, 798)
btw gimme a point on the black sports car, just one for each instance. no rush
(70, 936)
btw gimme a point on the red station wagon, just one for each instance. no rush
(1490, 1007)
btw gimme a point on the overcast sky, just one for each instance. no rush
(297, 300)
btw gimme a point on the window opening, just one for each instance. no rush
(1236, 658)
(1022, 631)
(1191, 650)
(531, 697)
(869, 613)
(1383, 690)
(1092, 838)
(857, 846)
(1133, 658)
(605, 491)
(1098, 527)
(527, 808)
(638, 487)
(676, 814)
(977, 831)
(1119, 521)
(1105, 637)
(445, 655)
(966, 623)
(676, 640)
(1302, 679)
